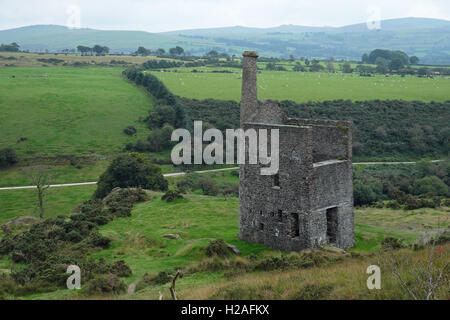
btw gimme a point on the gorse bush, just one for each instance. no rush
(218, 248)
(130, 130)
(424, 184)
(8, 157)
(130, 170)
(106, 284)
(50, 246)
(171, 196)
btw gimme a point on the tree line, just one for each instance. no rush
(97, 49)
(12, 47)
(168, 113)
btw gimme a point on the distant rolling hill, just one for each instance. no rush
(429, 39)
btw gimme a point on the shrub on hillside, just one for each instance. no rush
(208, 186)
(106, 284)
(95, 239)
(313, 291)
(130, 170)
(121, 269)
(8, 157)
(217, 247)
(161, 278)
(161, 115)
(159, 139)
(172, 195)
(430, 185)
(130, 130)
(391, 243)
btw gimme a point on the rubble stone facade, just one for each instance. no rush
(310, 201)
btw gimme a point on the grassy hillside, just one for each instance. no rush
(305, 86)
(139, 241)
(59, 201)
(79, 111)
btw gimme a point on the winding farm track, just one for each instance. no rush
(177, 174)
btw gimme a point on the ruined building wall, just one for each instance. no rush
(310, 201)
(331, 139)
(270, 210)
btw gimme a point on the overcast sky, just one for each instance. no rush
(169, 15)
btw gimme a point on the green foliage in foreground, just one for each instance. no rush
(42, 254)
(130, 170)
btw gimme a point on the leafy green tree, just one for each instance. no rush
(13, 47)
(330, 67)
(130, 170)
(143, 51)
(382, 65)
(177, 51)
(83, 49)
(298, 67)
(160, 115)
(363, 194)
(160, 139)
(414, 60)
(208, 186)
(160, 52)
(431, 186)
(347, 68)
(100, 50)
(396, 64)
(365, 58)
(8, 157)
(212, 54)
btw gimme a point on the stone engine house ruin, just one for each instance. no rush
(310, 201)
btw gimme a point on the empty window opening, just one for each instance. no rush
(280, 215)
(276, 180)
(295, 227)
(332, 225)
(261, 226)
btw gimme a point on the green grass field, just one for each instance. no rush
(58, 201)
(304, 86)
(139, 240)
(77, 111)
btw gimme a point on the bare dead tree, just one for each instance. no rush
(41, 177)
(172, 287)
(426, 279)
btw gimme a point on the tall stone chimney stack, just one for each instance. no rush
(249, 100)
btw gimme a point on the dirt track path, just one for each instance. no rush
(178, 174)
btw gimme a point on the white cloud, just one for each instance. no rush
(426, 9)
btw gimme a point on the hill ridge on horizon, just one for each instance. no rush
(427, 38)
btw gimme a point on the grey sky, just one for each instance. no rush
(168, 15)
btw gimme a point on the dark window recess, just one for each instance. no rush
(332, 225)
(261, 226)
(295, 227)
(276, 180)
(280, 215)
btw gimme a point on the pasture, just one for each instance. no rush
(57, 111)
(139, 241)
(304, 86)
